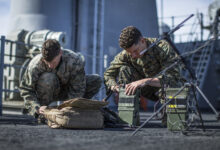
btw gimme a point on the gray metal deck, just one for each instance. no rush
(18, 132)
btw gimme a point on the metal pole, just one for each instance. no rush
(201, 26)
(207, 101)
(95, 37)
(161, 21)
(197, 105)
(101, 43)
(1, 69)
(173, 24)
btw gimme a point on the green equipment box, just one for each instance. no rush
(128, 108)
(176, 117)
(176, 110)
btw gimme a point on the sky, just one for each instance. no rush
(181, 9)
(4, 16)
(170, 8)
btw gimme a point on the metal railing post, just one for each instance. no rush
(1, 69)
(173, 25)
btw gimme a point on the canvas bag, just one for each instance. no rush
(78, 113)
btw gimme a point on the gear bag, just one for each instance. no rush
(78, 113)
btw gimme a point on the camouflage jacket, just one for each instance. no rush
(150, 64)
(70, 72)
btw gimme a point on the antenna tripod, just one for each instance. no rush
(193, 85)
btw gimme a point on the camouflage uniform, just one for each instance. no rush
(41, 85)
(126, 69)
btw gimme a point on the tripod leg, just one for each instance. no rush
(206, 99)
(197, 107)
(155, 113)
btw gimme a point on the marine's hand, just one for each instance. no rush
(115, 88)
(131, 88)
(41, 109)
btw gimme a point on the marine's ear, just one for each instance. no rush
(142, 39)
(61, 52)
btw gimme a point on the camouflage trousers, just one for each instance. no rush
(49, 89)
(129, 74)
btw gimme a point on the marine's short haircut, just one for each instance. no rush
(129, 35)
(50, 49)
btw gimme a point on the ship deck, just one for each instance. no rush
(20, 132)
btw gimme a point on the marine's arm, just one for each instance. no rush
(27, 90)
(131, 88)
(111, 74)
